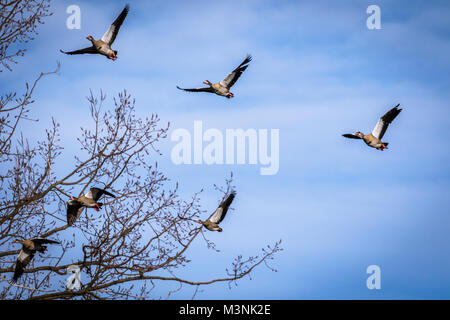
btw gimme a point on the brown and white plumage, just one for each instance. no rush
(374, 139)
(383, 123)
(29, 249)
(111, 34)
(223, 87)
(218, 215)
(89, 200)
(103, 46)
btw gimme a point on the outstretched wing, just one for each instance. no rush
(96, 193)
(81, 51)
(74, 209)
(351, 136)
(113, 30)
(42, 240)
(222, 210)
(230, 80)
(208, 89)
(384, 121)
(22, 261)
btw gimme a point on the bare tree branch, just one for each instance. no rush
(139, 238)
(19, 20)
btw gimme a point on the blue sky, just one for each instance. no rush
(317, 72)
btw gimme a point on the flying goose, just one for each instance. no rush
(29, 248)
(223, 87)
(89, 200)
(374, 139)
(212, 224)
(103, 46)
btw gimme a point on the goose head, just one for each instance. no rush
(90, 38)
(17, 241)
(72, 201)
(207, 82)
(199, 221)
(359, 134)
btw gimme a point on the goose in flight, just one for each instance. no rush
(374, 139)
(89, 200)
(223, 87)
(103, 46)
(212, 224)
(29, 249)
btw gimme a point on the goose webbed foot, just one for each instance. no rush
(43, 250)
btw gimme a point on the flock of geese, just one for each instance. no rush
(76, 205)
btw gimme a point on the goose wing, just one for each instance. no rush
(43, 240)
(384, 121)
(113, 30)
(23, 259)
(96, 193)
(231, 79)
(74, 209)
(81, 51)
(222, 210)
(351, 136)
(207, 89)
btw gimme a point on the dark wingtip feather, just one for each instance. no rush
(229, 199)
(243, 68)
(126, 9)
(247, 60)
(109, 194)
(350, 136)
(53, 241)
(18, 271)
(391, 114)
(70, 221)
(244, 63)
(397, 108)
